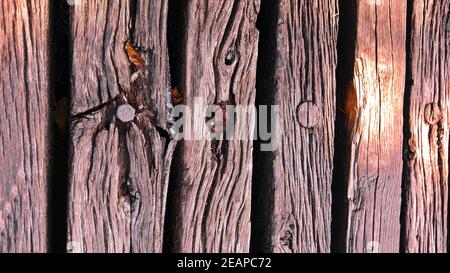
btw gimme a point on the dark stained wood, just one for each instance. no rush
(24, 125)
(427, 185)
(375, 109)
(119, 168)
(306, 58)
(213, 184)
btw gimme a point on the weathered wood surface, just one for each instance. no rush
(213, 181)
(374, 108)
(121, 151)
(120, 161)
(24, 125)
(304, 88)
(427, 184)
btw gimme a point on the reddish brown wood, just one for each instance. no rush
(300, 220)
(374, 109)
(24, 125)
(427, 185)
(119, 163)
(213, 186)
(121, 150)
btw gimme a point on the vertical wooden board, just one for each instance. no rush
(427, 184)
(120, 164)
(24, 124)
(150, 150)
(213, 183)
(375, 165)
(99, 210)
(305, 92)
(150, 36)
(100, 69)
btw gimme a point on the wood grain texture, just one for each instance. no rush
(24, 125)
(305, 92)
(99, 31)
(213, 182)
(427, 185)
(374, 109)
(119, 172)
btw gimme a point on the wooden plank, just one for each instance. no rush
(120, 154)
(304, 87)
(374, 109)
(24, 122)
(427, 185)
(212, 188)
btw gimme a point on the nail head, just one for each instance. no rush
(308, 115)
(125, 113)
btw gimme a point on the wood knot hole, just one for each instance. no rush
(308, 115)
(125, 113)
(230, 56)
(432, 113)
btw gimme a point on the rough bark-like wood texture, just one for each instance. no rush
(119, 170)
(427, 184)
(375, 109)
(213, 185)
(306, 58)
(24, 125)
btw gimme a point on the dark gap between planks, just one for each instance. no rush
(344, 95)
(263, 182)
(175, 35)
(406, 131)
(60, 71)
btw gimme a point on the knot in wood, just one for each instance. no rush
(230, 56)
(308, 115)
(125, 113)
(432, 113)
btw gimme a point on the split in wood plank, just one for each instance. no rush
(120, 150)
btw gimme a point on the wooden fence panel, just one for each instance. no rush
(427, 185)
(368, 115)
(304, 89)
(375, 108)
(213, 182)
(24, 125)
(120, 155)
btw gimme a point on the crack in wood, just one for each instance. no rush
(126, 194)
